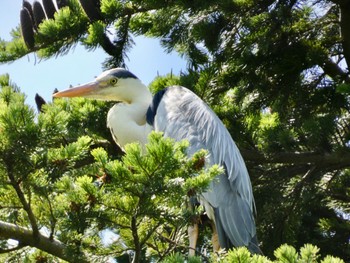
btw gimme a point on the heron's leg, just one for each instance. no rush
(214, 237)
(193, 236)
(193, 225)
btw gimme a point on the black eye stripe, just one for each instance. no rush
(122, 73)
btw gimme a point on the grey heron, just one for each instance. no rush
(180, 114)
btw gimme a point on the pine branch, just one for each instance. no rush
(345, 30)
(25, 237)
(176, 244)
(341, 2)
(137, 244)
(91, 9)
(324, 162)
(333, 70)
(150, 233)
(296, 193)
(23, 200)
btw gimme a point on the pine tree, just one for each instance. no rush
(276, 73)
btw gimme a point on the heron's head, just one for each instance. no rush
(115, 84)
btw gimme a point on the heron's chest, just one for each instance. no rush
(128, 125)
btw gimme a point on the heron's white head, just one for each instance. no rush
(116, 84)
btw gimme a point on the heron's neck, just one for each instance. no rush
(127, 120)
(134, 111)
(137, 107)
(136, 93)
(144, 98)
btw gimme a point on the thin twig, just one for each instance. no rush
(22, 198)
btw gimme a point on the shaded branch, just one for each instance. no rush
(345, 30)
(25, 238)
(176, 244)
(333, 70)
(326, 162)
(137, 244)
(344, 6)
(341, 2)
(339, 197)
(149, 234)
(299, 186)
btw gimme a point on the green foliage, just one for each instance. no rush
(75, 190)
(343, 88)
(10, 51)
(178, 258)
(111, 8)
(160, 82)
(275, 72)
(148, 189)
(283, 254)
(64, 28)
(96, 31)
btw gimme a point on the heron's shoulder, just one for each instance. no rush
(178, 91)
(173, 93)
(153, 107)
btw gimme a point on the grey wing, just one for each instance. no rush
(183, 115)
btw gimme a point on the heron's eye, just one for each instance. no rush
(113, 81)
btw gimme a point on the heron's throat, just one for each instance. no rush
(127, 122)
(134, 93)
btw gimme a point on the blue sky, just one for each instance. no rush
(32, 75)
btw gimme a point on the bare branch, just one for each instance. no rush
(325, 162)
(25, 237)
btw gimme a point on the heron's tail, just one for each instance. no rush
(254, 246)
(236, 227)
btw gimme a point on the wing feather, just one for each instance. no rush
(183, 115)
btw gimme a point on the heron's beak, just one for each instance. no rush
(78, 91)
